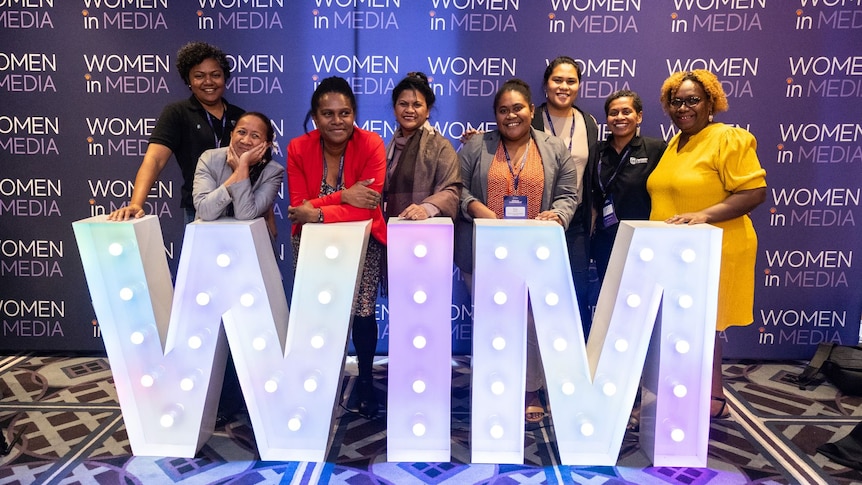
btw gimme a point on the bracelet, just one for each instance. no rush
(320, 215)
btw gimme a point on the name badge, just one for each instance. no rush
(609, 217)
(515, 207)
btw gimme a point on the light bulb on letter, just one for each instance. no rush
(419, 342)
(686, 301)
(496, 431)
(246, 299)
(680, 344)
(688, 255)
(418, 386)
(646, 255)
(149, 378)
(115, 249)
(223, 260)
(499, 343)
(560, 344)
(310, 384)
(126, 293)
(196, 341)
(170, 417)
(202, 298)
(317, 341)
(498, 388)
(543, 253)
(271, 384)
(137, 337)
(295, 422)
(419, 428)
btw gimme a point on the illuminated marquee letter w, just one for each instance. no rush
(167, 351)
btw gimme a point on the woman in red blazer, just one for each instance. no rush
(321, 164)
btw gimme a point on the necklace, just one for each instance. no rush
(326, 167)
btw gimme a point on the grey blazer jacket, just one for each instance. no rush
(559, 193)
(212, 199)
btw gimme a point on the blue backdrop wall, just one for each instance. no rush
(82, 83)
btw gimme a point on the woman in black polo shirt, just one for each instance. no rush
(187, 128)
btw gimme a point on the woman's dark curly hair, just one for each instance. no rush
(707, 80)
(193, 53)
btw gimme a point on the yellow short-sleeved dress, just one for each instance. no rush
(716, 162)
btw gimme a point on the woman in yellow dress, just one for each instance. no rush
(710, 174)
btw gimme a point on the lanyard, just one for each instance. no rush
(623, 158)
(516, 178)
(554, 132)
(212, 127)
(326, 169)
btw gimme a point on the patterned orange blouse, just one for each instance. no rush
(502, 183)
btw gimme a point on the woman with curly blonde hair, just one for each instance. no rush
(710, 174)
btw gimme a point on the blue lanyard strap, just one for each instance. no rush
(623, 157)
(212, 127)
(516, 178)
(554, 132)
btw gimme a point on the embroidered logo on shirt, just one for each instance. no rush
(637, 161)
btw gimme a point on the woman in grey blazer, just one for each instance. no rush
(239, 180)
(519, 172)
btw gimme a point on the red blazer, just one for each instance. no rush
(364, 158)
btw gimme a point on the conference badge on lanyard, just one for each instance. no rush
(515, 207)
(609, 216)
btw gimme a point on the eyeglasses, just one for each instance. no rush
(690, 101)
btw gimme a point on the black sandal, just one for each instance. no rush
(723, 411)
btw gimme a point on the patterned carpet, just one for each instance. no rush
(73, 433)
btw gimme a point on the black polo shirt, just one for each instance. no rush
(626, 179)
(184, 128)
